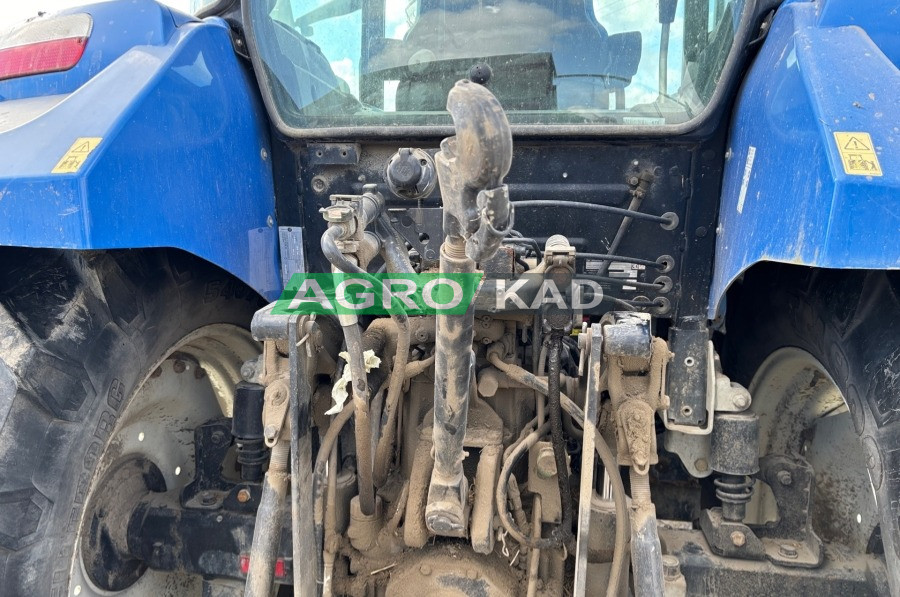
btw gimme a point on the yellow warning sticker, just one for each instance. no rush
(77, 154)
(858, 154)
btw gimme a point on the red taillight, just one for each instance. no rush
(44, 45)
(280, 570)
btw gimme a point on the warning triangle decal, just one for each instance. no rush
(854, 143)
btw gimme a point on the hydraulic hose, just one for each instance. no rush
(556, 435)
(331, 536)
(393, 247)
(319, 470)
(333, 254)
(385, 447)
(522, 376)
(396, 257)
(359, 383)
(327, 444)
(363, 429)
(503, 491)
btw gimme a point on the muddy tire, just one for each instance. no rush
(849, 323)
(79, 333)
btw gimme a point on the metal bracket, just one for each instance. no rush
(679, 404)
(691, 378)
(421, 227)
(593, 345)
(730, 539)
(210, 490)
(790, 541)
(275, 408)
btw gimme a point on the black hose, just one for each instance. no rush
(622, 258)
(556, 435)
(393, 247)
(530, 242)
(623, 282)
(637, 215)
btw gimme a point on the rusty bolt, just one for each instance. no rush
(785, 477)
(738, 538)
(671, 567)
(179, 366)
(243, 496)
(701, 465)
(787, 550)
(207, 498)
(425, 570)
(318, 184)
(545, 463)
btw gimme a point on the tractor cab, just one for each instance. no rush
(345, 63)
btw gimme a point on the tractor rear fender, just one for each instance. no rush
(157, 138)
(813, 171)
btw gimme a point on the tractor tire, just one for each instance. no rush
(848, 324)
(79, 333)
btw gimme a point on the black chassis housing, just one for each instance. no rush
(686, 173)
(686, 181)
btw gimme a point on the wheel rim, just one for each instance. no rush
(192, 384)
(802, 411)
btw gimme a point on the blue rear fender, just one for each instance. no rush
(178, 149)
(826, 67)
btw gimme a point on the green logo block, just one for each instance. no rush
(378, 294)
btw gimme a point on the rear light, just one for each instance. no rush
(280, 569)
(44, 45)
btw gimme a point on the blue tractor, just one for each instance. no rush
(457, 297)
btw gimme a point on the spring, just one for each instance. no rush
(734, 491)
